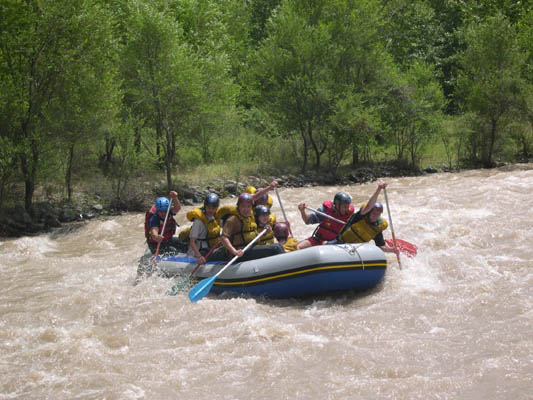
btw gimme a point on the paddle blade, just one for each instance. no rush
(405, 247)
(201, 289)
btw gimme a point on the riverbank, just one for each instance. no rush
(45, 216)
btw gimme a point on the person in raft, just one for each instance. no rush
(239, 228)
(153, 225)
(264, 200)
(262, 219)
(281, 233)
(341, 209)
(204, 232)
(366, 224)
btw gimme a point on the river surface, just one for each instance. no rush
(454, 323)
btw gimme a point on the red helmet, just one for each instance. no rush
(281, 230)
(244, 198)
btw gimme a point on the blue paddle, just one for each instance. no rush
(204, 286)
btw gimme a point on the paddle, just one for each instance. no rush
(409, 249)
(283, 211)
(392, 227)
(326, 215)
(177, 287)
(404, 246)
(204, 286)
(162, 231)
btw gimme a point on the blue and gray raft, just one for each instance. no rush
(312, 271)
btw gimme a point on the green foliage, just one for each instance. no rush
(127, 162)
(413, 32)
(49, 50)
(412, 112)
(316, 55)
(122, 87)
(490, 85)
(525, 42)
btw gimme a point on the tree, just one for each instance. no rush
(160, 78)
(412, 32)
(490, 84)
(413, 111)
(316, 55)
(217, 35)
(42, 43)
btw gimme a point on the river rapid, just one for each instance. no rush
(454, 323)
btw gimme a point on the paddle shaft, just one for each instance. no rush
(244, 250)
(283, 211)
(162, 231)
(392, 227)
(205, 285)
(326, 215)
(177, 287)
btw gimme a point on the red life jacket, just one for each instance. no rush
(170, 227)
(328, 228)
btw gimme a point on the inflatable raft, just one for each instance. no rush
(311, 271)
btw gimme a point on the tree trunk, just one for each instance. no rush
(68, 173)
(306, 148)
(317, 151)
(29, 171)
(137, 140)
(355, 152)
(168, 160)
(493, 127)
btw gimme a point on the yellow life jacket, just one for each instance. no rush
(290, 244)
(213, 228)
(184, 234)
(363, 230)
(224, 212)
(248, 226)
(269, 202)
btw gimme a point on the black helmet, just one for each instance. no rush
(211, 200)
(342, 198)
(281, 230)
(261, 210)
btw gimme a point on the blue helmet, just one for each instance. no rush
(162, 203)
(342, 198)
(211, 200)
(261, 210)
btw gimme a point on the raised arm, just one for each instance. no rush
(176, 205)
(260, 192)
(372, 200)
(303, 214)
